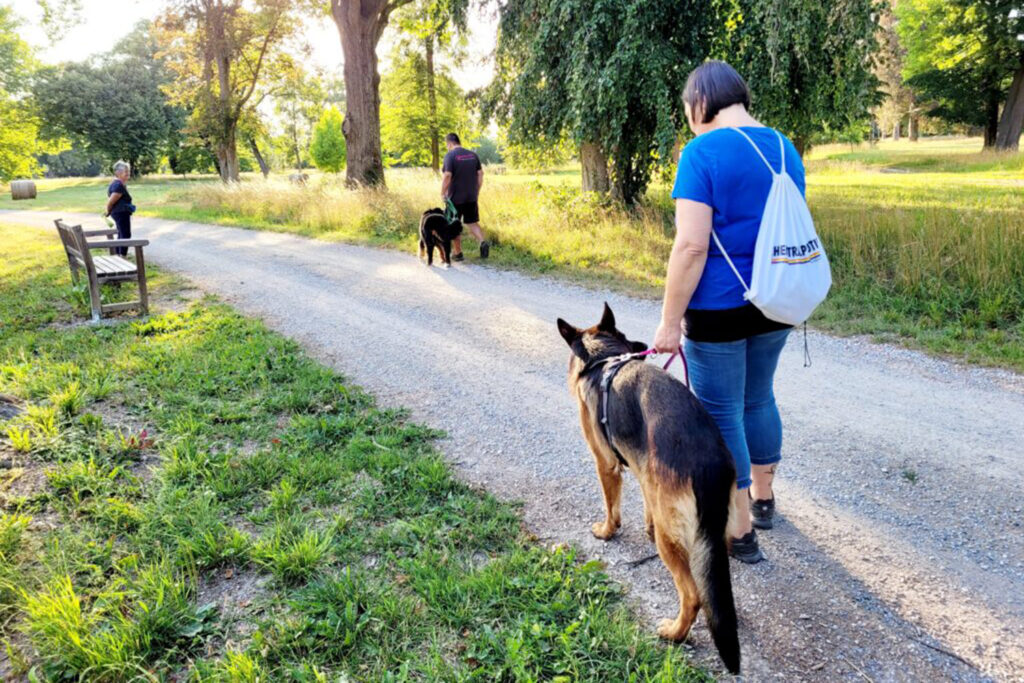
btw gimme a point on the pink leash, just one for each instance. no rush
(679, 353)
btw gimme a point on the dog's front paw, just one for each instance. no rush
(670, 629)
(447, 266)
(604, 530)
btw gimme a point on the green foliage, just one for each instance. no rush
(299, 102)
(808, 63)
(619, 84)
(406, 126)
(224, 58)
(328, 146)
(115, 108)
(19, 131)
(961, 55)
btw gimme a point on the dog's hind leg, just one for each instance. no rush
(678, 563)
(423, 250)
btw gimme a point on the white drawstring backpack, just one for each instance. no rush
(791, 273)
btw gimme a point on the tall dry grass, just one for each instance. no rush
(930, 255)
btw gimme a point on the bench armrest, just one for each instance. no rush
(110, 244)
(95, 233)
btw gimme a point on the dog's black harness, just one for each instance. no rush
(611, 368)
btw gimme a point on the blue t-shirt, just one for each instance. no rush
(722, 170)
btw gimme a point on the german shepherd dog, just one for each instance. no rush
(672, 445)
(436, 231)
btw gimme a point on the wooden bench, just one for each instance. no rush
(105, 268)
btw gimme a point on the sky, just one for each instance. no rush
(104, 22)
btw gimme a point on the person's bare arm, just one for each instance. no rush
(111, 201)
(479, 179)
(446, 183)
(685, 267)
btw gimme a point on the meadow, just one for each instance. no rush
(926, 238)
(189, 497)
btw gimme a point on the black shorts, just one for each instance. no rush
(468, 213)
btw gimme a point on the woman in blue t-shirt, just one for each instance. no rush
(119, 203)
(733, 349)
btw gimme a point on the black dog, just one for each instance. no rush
(436, 231)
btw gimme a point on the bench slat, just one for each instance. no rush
(113, 265)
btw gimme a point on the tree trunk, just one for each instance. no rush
(435, 134)
(912, 126)
(991, 119)
(264, 169)
(896, 131)
(227, 157)
(801, 143)
(595, 168)
(1008, 132)
(360, 24)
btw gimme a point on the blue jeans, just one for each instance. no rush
(734, 382)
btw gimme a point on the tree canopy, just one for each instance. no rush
(221, 52)
(809, 63)
(19, 125)
(112, 107)
(966, 59)
(606, 73)
(408, 130)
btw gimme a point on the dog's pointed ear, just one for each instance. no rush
(638, 347)
(569, 333)
(607, 323)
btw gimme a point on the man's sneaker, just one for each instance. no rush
(761, 513)
(458, 257)
(746, 549)
(485, 249)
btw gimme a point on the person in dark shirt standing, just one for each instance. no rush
(119, 203)
(463, 178)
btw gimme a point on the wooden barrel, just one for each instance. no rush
(23, 189)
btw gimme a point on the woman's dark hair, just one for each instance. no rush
(452, 137)
(715, 85)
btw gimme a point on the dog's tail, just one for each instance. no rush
(710, 563)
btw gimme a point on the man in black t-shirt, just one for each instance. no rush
(463, 178)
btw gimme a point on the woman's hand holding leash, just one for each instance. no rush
(668, 337)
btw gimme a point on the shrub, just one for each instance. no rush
(328, 146)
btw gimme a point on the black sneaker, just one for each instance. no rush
(485, 249)
(458, 257)
(746, 549)
(762, 512)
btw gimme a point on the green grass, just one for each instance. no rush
(198, 500)
(926, 238)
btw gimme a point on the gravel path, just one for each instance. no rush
(899, 555)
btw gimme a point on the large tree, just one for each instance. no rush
(809, 63)
(112, 107)
(429, 29)
(19, 126)
(968, 58)
(221, 52)
(900, 101)
(361, 24)
(416, 106)
(299, 103)
(608, 75)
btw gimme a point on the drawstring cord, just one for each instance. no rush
(807, 350)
